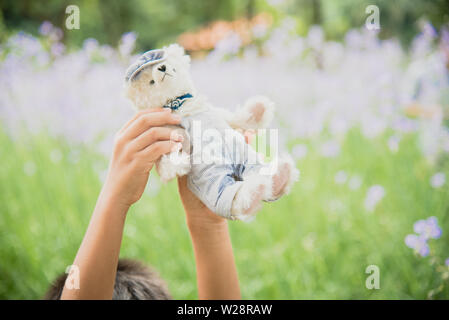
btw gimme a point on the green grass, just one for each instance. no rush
(312, 244)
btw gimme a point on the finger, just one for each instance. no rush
(138, 114)
(154, 151)
(148, 120)
(155, 134)
(249, 136)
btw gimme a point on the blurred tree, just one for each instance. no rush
(316, 11)
(160, 21)
(397, 18)
(155, 21)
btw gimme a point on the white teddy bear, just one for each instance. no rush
(224, 172)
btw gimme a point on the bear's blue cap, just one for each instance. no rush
(148, 58)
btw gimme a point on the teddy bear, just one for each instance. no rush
(222, 170)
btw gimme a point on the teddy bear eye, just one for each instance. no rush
(152, 82)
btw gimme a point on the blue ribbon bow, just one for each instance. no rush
(176, 103)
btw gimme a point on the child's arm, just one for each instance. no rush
(137, 146)
(215, 266)
(216, 271)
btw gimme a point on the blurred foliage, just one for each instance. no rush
(158, 21)
(155, 21)
(399, 18)
(313, 244)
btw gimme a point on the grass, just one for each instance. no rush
(313, 244)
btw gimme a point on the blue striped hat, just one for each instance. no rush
(147, 59)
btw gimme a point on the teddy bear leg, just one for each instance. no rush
(248, 199)
(283, 179)
(256, 113)
(175, 164)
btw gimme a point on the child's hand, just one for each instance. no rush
(197, 214)
(138, 145)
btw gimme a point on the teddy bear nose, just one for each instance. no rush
(162, 68)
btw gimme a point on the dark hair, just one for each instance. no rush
(134, 281)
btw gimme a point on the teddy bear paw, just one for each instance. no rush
(256, 113)
(174, 165)
(248, 199)
(284, 178)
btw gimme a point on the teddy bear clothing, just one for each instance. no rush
(220, 158)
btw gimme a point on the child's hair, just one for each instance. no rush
(134, 281)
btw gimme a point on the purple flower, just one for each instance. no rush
(428, 229)
(445, 37)
(90, 45)
(127, 43)
(56, 34)
(429, 30)
(45, 28)
(447, 262)
(418, 244)
(57, 49)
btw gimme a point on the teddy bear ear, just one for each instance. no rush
(176, 51)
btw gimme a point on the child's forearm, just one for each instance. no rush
(138, 145)
(97, 258)
(216, 270)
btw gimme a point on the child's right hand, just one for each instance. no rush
(138, 145)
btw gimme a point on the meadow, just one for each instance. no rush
(364, 119)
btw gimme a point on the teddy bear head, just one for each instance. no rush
(158, 77)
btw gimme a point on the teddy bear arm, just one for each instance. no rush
(256, 113)
(176, 163)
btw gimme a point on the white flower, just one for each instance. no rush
(315, 37)
(341, 177)
(355, 182)
(229, 45)
(74, 156)
(275, 3)
(330, 149)
(299, 151)
(373, 196)
(55, 156)
(372, 126)
(260, 30)
(438, 180)
(29, 168)
(393, 143)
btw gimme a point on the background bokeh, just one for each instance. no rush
(364, 113)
